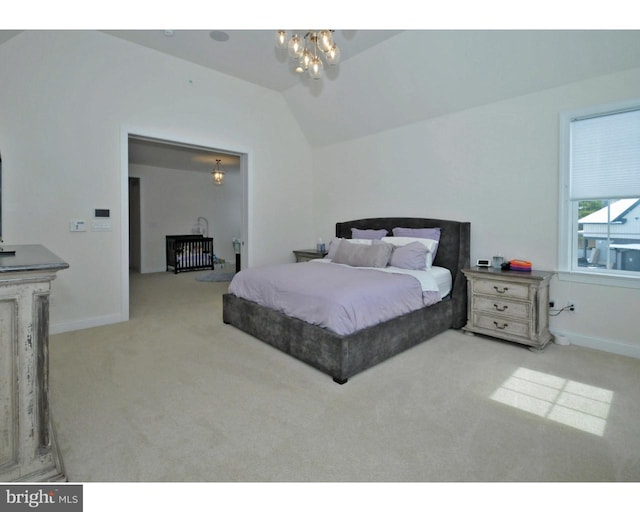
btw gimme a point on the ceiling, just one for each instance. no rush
(5, 35)
(155, 153)
(247, 54)
(261, 64)
(391, 78)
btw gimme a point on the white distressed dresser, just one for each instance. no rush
(28, 450)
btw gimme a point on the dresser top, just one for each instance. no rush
(29, 258)
(492, 272)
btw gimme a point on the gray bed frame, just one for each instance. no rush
(343, 356)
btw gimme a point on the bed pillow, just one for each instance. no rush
(368, 234)
(430, 244)
(333, 245)
(363, 255)
(412, 256)
(430, 233)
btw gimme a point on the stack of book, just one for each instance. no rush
(521, 265)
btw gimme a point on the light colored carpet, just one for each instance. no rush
(176, 395)
(215, 276)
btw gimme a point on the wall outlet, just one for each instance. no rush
(571, 305)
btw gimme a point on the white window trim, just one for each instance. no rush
(566, 272)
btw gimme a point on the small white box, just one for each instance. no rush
(101, 225)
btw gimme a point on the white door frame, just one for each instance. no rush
(203, 141)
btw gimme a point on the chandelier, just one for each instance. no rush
(218, 173)
(309, 51)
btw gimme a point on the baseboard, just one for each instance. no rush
(57, 328)
(612, 346)
(153, 270)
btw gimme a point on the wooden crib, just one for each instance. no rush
(189, 252)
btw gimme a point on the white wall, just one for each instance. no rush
(497, 167)
(68, 98)
(171, 202)
(67, 101)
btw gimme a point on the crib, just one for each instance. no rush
(189, 252)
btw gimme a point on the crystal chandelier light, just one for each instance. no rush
(309, 51)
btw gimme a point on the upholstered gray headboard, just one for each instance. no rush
(453, 249)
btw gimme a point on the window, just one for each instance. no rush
(600, 192)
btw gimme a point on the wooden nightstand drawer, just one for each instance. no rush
(497, 305)
(501, 326)
(501, 288)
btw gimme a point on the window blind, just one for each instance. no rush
(605, 156)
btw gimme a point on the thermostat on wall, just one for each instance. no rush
(483, 263)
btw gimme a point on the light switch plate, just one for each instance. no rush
(77, 225)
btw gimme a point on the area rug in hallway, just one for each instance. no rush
(216, 276)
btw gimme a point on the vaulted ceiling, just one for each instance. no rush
(387, 79)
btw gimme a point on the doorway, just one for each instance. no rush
(141, 229)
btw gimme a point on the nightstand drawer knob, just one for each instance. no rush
(501, 290)
(503, 326)
(503, 308)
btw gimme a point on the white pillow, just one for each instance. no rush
(399, 241)
(361, 241)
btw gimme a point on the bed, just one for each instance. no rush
(186, 253)
(344, 355)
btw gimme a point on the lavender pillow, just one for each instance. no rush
(411, 256)
(360, 255)
(431, 233)
(333, 245)
(368, 234)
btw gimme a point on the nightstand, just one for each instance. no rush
(509, 305)
(308, 254)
